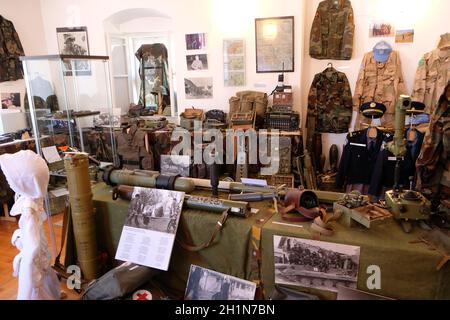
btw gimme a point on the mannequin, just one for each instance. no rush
(37, 279)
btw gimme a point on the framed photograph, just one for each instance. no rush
(205, 284)
(74, 41)
(315, 264)
(404, 36)
(149, 232)
(196, 41)
(198, 88)
(274, 38)
(173, 165)
(196, 62)
(234, 62)
(381, 29)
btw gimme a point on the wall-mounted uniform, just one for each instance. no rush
(433, 74)
(330, 102)
(380, 80)
(332, 31)
(10, 51)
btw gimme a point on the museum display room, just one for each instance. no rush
(225, 150)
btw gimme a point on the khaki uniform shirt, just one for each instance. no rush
(379, 82)
(332, 31)
(432, 76)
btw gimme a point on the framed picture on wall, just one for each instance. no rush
(74, 42)
(274, 38)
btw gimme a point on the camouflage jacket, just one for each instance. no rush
(433, 74)
(330, 102)
(433, 164)
(379, 82)
(10, 51)
(332, 31)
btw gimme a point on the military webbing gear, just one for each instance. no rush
(332, 31)
(10, 51)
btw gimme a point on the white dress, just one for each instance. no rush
(29, 180)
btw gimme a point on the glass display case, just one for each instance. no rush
(69, 104)
(69, 108)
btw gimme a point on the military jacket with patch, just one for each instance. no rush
(332, 31)
(330, 102)
(379, 82)
(433, 74)
(10, 51)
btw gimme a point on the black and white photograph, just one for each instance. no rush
(197, 62)
(10, 100)
(206, 284)
(198, 88)
(148, 235)
(74, 42)
(196, 41)
(174, 165)
(315, 264)
(154, 209)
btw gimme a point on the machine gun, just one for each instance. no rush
(406, 205)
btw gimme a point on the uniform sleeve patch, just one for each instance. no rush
(422, 62)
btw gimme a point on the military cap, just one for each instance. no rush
(416, 108)
(373, 110)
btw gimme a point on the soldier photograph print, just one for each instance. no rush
(149, 232)
(156, 210)
(205, 284)
(315, 264)
(197, 62)
(74, 42)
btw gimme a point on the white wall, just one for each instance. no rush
(429, 19)
(219, 19)
(27, 20)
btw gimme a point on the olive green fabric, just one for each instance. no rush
(408, 271)
(231, 252)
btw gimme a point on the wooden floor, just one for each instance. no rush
(8, 283)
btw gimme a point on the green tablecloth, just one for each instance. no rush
(408, 271)
(231, 253)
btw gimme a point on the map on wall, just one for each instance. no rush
(234, 62)
(274, 44)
